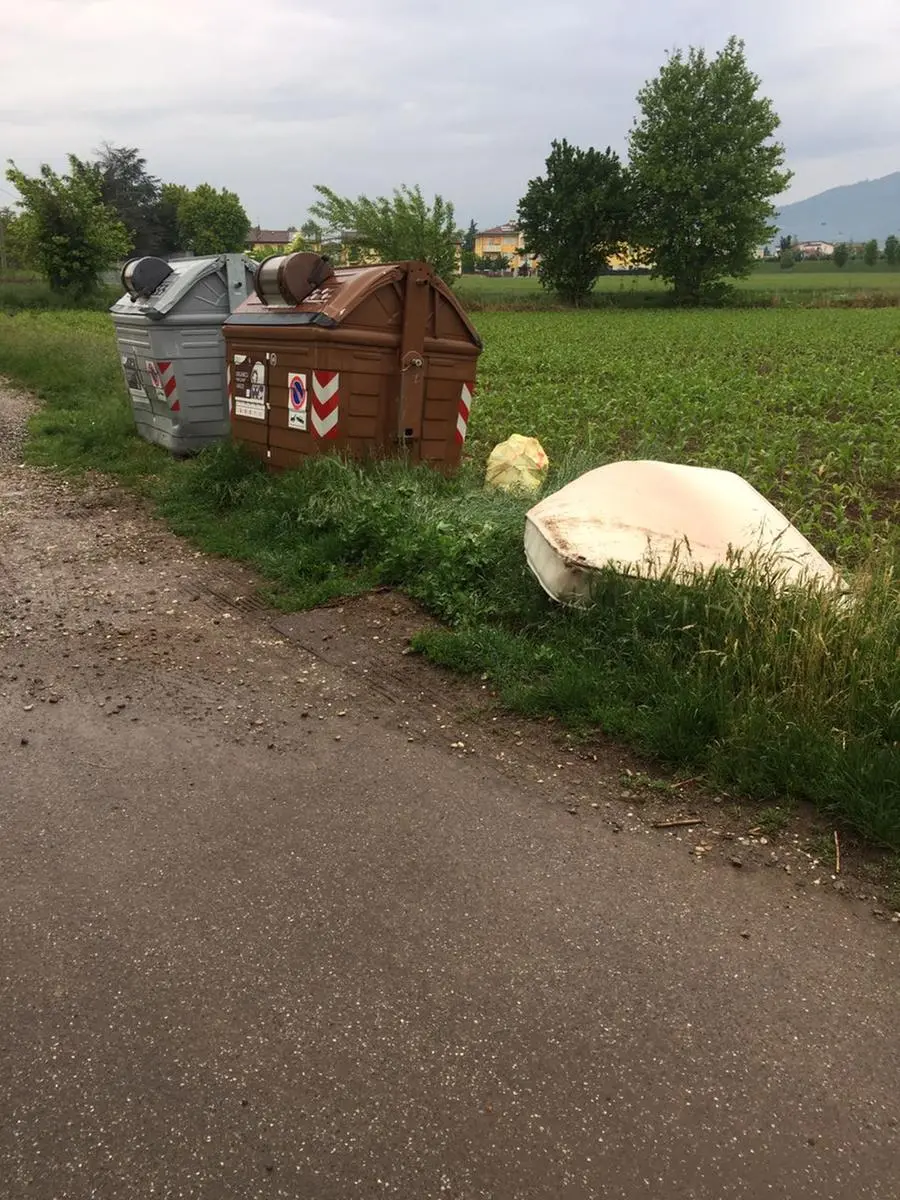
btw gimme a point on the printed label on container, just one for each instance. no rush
(133, 379)
(152, 374)
(298, 401)
(249, 387)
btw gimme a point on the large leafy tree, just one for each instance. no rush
(574, 217)
(209, 221)
(892, 249)
(132, 192)
(65, 230)
(169, 232)
(402, 226)
(705, 165)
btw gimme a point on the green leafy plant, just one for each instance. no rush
(402, 226)
(65, 230)
(129, 189)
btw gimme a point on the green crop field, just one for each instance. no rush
(805, 404)
(773, 699)
(809, 283)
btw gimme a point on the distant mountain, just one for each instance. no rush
(854, 213)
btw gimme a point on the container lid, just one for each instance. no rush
(185, 274)
(340, 300)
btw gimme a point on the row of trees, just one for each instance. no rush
(790, 252)
(693, 201)
(72, 226)
(845, 251)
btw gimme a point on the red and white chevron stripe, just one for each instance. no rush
(462, 415)
(325, 403)
(166, 382)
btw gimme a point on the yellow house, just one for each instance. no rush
(502, 239)
(624, 261)
(276, 239)
(508, 241)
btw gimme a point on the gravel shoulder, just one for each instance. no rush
(286, 912)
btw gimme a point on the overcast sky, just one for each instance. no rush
(268, 97)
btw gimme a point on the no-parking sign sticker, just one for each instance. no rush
(298, 408)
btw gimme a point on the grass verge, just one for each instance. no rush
(790, 698)
(85, 422)
(35, 295)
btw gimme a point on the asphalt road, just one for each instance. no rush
(248, 952)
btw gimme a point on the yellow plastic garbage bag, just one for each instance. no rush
(517, 465)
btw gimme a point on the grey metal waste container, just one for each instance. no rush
(169, 334)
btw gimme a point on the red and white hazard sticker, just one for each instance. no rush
(325, 403)
(161, 376)
(462, 414)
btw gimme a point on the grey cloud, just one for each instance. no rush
(458, 95)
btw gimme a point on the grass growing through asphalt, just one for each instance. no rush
(774, 699)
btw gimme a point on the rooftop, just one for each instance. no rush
(271, 237)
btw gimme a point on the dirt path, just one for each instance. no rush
(284, 912)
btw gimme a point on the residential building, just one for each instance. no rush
(627, 260)
(503, 240)
(814, 249)
(506, 240)
(278, 239)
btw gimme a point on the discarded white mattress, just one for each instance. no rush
(647, 518)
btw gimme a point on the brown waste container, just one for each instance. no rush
(369, 360)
